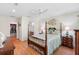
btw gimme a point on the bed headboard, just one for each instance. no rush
(53, 26)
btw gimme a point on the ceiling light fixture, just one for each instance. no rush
(13, 10)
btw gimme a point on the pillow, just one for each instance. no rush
(53, 30)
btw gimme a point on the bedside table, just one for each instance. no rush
(67, 41)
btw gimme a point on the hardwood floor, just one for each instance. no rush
(64, 51)
(21, 48)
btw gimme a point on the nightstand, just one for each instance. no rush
(67, 41)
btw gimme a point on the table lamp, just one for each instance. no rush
(67, 29)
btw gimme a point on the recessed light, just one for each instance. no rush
(13, 10)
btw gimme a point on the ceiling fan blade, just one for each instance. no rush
(43, 11)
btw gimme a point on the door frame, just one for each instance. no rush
(16, 29)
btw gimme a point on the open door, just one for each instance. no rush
(13, 31)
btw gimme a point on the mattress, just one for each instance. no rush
(37, 40)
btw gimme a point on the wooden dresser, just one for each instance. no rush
(77, 42)
(67, 41)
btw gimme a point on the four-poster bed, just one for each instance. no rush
(45, 43)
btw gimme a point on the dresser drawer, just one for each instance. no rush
(68, 42)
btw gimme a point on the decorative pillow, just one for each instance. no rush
(51, 30)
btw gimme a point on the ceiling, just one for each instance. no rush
(31, 9)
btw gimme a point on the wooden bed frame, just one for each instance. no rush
(44, 49)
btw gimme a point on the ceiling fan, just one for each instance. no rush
(38, 11)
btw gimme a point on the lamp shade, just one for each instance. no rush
(67, 28)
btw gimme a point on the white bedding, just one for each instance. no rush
(53, 41)
(41, 36)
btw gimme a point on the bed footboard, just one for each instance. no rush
(40, 47)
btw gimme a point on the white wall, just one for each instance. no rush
(5, 24)
(72, 21)
(36, 24)
(69, 20)
(38, 21)
(24, 28)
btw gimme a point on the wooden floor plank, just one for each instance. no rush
(64, 51)
(23, 49)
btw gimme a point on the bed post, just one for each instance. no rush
(28, 33)
(61, 31)
(45, 38)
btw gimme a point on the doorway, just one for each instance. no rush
(13, 31)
